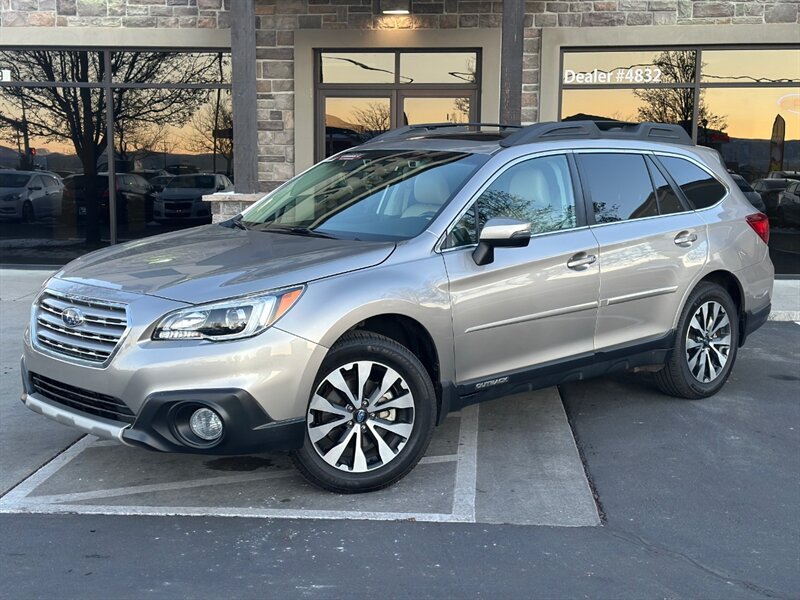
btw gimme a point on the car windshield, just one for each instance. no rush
(192, 181)
(742, 183)
(13, 180)
(387, 195)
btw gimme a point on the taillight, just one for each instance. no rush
(760, 224)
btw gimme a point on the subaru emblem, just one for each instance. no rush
(72, 317)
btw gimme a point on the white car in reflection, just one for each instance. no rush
(29, 195)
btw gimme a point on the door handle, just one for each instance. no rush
(581, 261)
(685, 239)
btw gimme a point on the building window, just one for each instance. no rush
(170, 116)
(361, 94)
(743, 102)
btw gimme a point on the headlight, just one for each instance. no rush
(10, 197)
(227, 320)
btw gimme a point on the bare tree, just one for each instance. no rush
(371, 120)
(676, 105)
(211, 125)
(77, 115)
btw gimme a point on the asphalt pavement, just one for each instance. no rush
(699, 500)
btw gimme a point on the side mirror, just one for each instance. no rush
(500, 233)
(35, 188)
(221, 187)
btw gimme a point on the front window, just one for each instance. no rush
(193, 181)
(388, 195)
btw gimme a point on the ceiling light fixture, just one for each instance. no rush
(396, 7)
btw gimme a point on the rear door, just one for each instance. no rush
(651, 245)
(531, 305)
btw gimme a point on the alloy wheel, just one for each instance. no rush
(361, 416)
(708, 341)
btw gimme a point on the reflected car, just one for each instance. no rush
(770, 189)
(182, 169)
(784, 175)
(160, 182)
(788, 211)
(752, 196)
(29, 195)
(132, 193)
(182, 198)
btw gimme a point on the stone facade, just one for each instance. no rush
(115, 13)
(279, 19)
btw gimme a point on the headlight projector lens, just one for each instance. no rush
(206, 424)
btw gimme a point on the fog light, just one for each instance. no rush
(206, 424)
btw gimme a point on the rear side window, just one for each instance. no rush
(700, 188)
(619, 185)
(668, 201)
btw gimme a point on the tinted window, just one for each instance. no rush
(699, 187)
(668, 201)
(620, 186)
(12, 180)
(538, 191)
(193, 181)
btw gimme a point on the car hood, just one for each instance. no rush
(11, 190)
(215, 262)
(168, 192)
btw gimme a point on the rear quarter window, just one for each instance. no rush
(700, 187)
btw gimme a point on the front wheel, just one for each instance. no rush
(706, 342)
(370, 417)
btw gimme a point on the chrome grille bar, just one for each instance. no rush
(93, 340)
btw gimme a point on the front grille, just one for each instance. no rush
(178, 205)
(93, 340)
(83, 400)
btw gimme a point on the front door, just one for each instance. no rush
(532, 305)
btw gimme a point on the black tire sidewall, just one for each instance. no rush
(27, 216)
(382, 350)
(707, 293)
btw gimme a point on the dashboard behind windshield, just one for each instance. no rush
(386, 195)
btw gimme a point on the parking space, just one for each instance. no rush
(509, 461)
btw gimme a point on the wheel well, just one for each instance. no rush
(728, 281)
(411, 334)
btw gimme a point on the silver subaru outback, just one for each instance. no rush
(346, 313)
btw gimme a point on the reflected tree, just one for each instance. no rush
(212, 126)
(676, 105)
(371, 120)
(77, 115)
(500, 203)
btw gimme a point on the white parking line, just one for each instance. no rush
(19, 500)
(467, 467)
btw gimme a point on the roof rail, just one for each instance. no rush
(598, 130)
(412, 130)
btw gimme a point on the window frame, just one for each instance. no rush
(395, 92)
(577, 190)
(677, 188)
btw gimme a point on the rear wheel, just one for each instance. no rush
(706, 342)
(370, 417)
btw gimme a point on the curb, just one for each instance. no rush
(785, 315)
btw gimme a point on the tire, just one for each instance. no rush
(28, 215)
(407, 405)
(695, 368)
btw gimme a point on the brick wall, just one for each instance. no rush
(115, 13)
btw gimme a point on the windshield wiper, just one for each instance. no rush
(299, 231)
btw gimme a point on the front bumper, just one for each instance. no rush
(260, 386)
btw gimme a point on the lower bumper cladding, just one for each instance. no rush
(162, 423)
